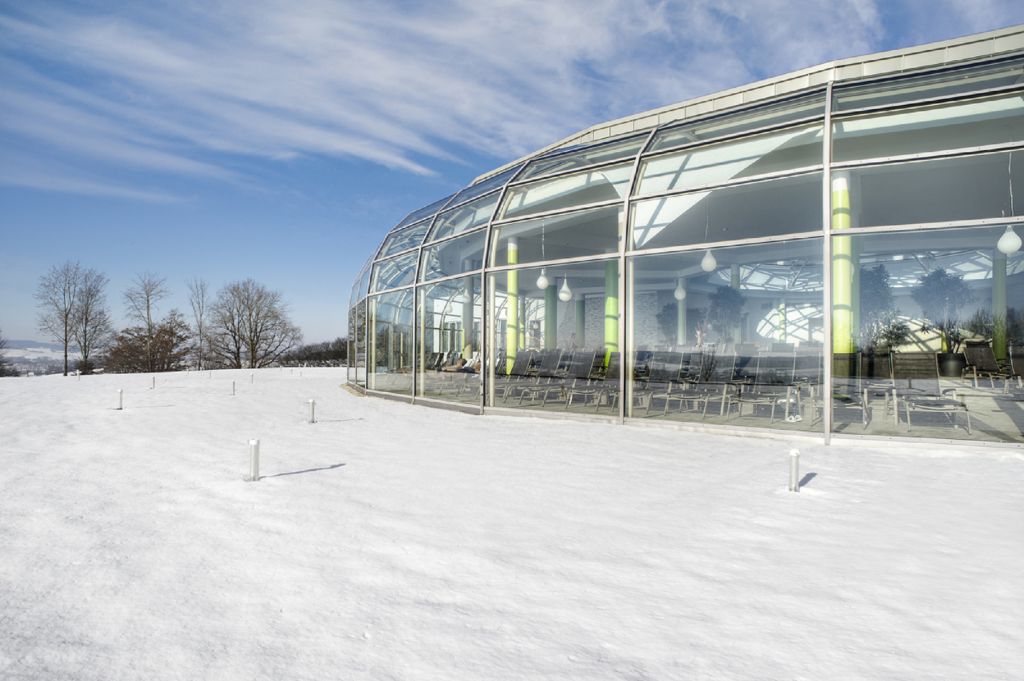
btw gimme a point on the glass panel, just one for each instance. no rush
(961, 125)
(739, 159)
(466, 217)
(589, 232)
(604, 184)
(359, 288)
(581, 158)
(785, 206)
(928, 333)
(450, 315)
(391, 345)
(967, 188)
(405, 239)
(395, 272)
(944, 84)
(358, 357)
(422, 213)
(712, 128)
(454, 256)
(736, 341)
(555, 337)
(484, 186)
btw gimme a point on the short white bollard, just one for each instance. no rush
(120, 400)
(252, 378)
(232, 388)
(152, 385)
(254, 461)
(312, 411)
(794, 470)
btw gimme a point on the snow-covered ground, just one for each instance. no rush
(397, 542)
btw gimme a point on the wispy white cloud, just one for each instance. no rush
(198, 89)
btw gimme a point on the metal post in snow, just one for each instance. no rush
(120, 399)
(152, 384)
(254, 461)
(252, 378)
(232, 388)
(312, 411)
(794, 470)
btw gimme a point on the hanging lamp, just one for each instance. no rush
(1009, 242)
(708, 262)
(565, 293)
(542, 280)
(680, 292)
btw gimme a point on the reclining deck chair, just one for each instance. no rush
(916, 379)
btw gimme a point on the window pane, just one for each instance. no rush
(556, 338)
(359, 289)
(928, 328)
(954, 82)
(395, 272)
(357, 357)
(970, 124)
(739, 159)
(454, 256)
(784, 206)
(966, 188)
(736, 341)
(466, 217)
(449, 353)
(604, 184)
(407, 238)
(391, 346)
(484, 186)
(581, 158)
(589, 232)
(712, 128)
(422, 213)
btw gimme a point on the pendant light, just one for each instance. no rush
(680, 292)
(565, 293)
(542, 280)
(708, 262)
(1009, 242)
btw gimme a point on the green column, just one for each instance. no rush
(842, 266)
(999, 305)
(550, 317)
(611, 308)
(467, 319)
(581, 322)
(512, 305)
(681, 315)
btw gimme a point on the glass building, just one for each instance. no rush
(832, 252)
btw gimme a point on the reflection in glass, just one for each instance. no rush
(391, 345)
(716, 127)
(565, 161)
(924, 330)
(933, 85)
(449, 364)
(407, 238)
(916, 131)
(739, 344)
(357, 340)
(735, 160)
(466, 217)
(580, 189)
(484, 186)
(944, 190)
(760, 209)
(589, 232)
(359, 288)
(454, 256)
(556, 346)
(397, 271)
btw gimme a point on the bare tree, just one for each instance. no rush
(250, 325)
(198, 297)
(141, 299)
(92, 327)
(57, 295)
(5, 368)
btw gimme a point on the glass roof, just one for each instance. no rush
(583, 157)
(484, 186)
(425, 212)
(402, 240)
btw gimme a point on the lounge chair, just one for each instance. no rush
(916, 379)
(981, 361)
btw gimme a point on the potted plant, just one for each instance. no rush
(725, 307)
(940, 296)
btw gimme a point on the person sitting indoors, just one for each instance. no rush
(459, 365)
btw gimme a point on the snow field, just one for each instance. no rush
(389, 541)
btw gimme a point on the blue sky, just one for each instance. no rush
(280, 140)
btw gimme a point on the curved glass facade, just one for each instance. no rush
(841, 259)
